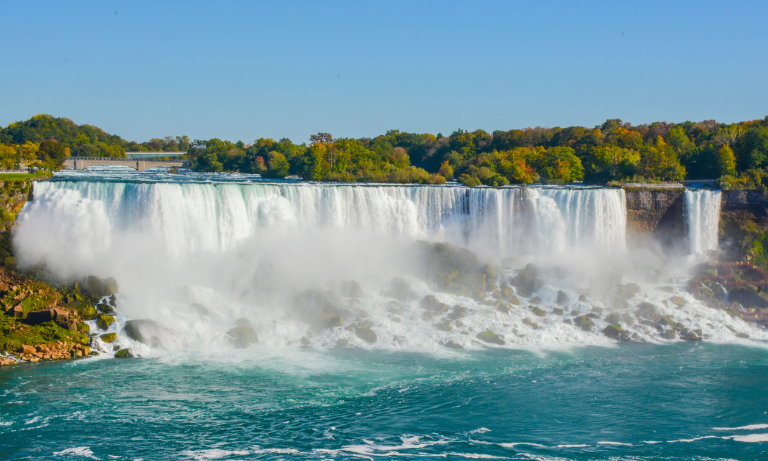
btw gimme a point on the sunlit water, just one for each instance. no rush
(244, 248)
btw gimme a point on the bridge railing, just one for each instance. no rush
(124, 159)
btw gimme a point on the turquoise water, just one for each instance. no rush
(636, 401)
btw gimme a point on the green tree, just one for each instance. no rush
(278, 166)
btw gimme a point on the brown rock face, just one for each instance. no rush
(27, 349)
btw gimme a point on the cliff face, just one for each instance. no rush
(655, 212)
(743, 219)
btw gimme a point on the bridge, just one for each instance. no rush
(141, 164)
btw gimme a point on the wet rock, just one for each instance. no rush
(201, 310)
(537, 311)
(693, 335)
(341, 342)
(431, 303)
(648, 311)
(582, 298)
(305, 341)
(99, 287)
(597, 310)
(104, 321)
(108, 337)
(568, 322)
(350, 289)
(105, 308)
(669, 333)
(535, 300)
(562, 298)
(242, 336)
(453, 345)
(444, 326)
(593, 315)
(490, 337)
(399, 289)
(613, 318)
(666, 289)
(427, 316)
(575, 313)
(584, 322)
(527, 281)
(507, 291)
(742, 335)
(626, 318)
(653, 324)
(749, 297)
(458, 312)
(146, 332)
(123, 354)
(530, 323)
(514, 301)
(319, 308)
(503, 309)
(366, 334)
(677, 301)
(612, 331)
(631, 289)
(558, 311)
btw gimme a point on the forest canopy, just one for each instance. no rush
(613, 151)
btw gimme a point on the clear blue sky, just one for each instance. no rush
(242, 70)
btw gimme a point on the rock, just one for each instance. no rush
(582, 298)
(748, 296)
(742, 335)
(648, 311)
(593, 315)
(427, 316)
(514, 301)
(669, 333)
(108, 337)
(575, 313)
(626, 318)
(341, 342)
(537, 311)
(677, 301)
(527, 281)
(597, 310)
(507, 291)
(527, 321)
(613, 318)
(453, 345)
(490, 337)
(320, 309)
(558, 311)
(503, 309)
(612, 331)
(400, 289)
(458, 312)
(242, 336)
(305, 341)
(104, 321)
(366, 334)
(444, 326)
(350, 289)
(568, 322)
(562, 298)
(694, 335)
(99, 287)
(38, 317)
(201, 310)
(535, 300)
(123, 354)
(27, 349)
(147, 332)
(105, 308)
(584, 322)
(666, 289)
(631, 289)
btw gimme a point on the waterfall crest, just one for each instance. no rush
(215, 217)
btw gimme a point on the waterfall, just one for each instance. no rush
(190, 218)
(702, 213)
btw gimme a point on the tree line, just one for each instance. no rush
(736, 153)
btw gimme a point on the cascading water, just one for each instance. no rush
(702, 212)
(247, 250)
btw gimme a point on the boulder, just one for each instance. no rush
(507, 291)
(108, 337)
(431, 303)
(444, 326)
(677, 301)
(123, 354)
(613, 318)
(490, 337)
(613, 331)
(562, 298)
(99, 287)
(105, 308)
(631, 289)
(27, 349)
(748, 296)
(453, 345)
(104, 321)
(201, 310)
(366, 334)
(582, 299)
(399, 289)
(38, 317)
(514, 301)
(320, 309)
(648, 311)
(527, 321)
(527, 281)
(242, 336)
(458, 312)
(669, 333)
(503, 309)
(558, 311)
(350, 289)
(692, 335)
(535, 300)
(537, 311)
(584, 322)
(341, 342)
(146, 331)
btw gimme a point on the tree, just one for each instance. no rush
(52, 154)
(446, 170)
(726, 162)
(559, 165)
(278, 166)
(659, 161)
